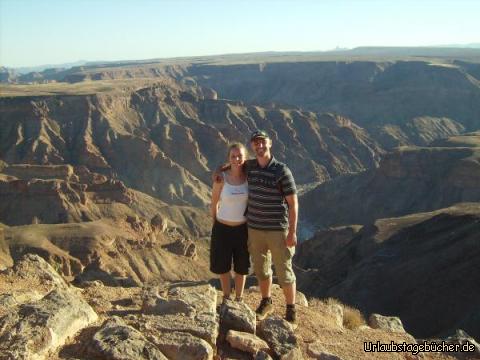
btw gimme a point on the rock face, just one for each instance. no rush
(392, 323)
(316, 146)
(386, 267)
(42, 326)
(116, 252)
(117, 341)
(57, 194)
(408, 180)
(34, 326)
(376, 90)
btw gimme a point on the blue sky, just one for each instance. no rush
(36, 32)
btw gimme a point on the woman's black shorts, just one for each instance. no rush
(229, 242)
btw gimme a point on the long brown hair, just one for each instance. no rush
(236, 145)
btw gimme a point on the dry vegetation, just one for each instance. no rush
(352, 318)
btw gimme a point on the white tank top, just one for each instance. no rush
(232, 202)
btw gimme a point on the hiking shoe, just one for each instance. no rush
(265, 308)
(291, 314)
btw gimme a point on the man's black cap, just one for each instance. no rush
(259, 134)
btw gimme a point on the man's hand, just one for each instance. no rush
(217, 173)
(291, 239)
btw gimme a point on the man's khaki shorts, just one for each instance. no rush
(262, 243)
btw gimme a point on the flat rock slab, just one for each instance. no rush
(391, 323)
(187, 307)
(279, 335)
(33, 329)
(246, 342)
(236, 315)
(182, 298)
(183, 346)
(117, 341)
(204, 325)
(317, 351)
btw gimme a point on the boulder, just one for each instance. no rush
(159, 223)
(183, 346)
(292, 354)
(336, 311)
(188, 307)
(117, 341)
(390, 323)
(33, 329)
(279, 335)
(461, 337)
(183, 247)
(246, 342)
(301, 299)
(181, 298)
(32, 265)
(236, 315)
(317, 351)
(262, 355)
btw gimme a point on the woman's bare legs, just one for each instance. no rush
(225, 281)
(239, 285)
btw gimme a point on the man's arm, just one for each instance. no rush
(216, 190)
(217, 173)
(292, 201)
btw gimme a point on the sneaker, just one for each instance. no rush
(291, 314)
(264, 309)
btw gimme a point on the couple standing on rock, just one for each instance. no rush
(254, 207)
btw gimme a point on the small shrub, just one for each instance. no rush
(352, 318)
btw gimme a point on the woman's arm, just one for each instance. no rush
(216, 190)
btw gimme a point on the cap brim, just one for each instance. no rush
(259, 137)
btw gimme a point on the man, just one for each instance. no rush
(272, 213)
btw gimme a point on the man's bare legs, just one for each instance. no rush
(266, 287)
(289, 290)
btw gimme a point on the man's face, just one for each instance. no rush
(261, 146)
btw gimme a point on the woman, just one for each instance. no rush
(229, 232)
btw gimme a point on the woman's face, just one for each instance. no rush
(237, 157)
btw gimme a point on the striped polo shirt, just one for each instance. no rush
(267, 208)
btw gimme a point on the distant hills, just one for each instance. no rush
(467, 52)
